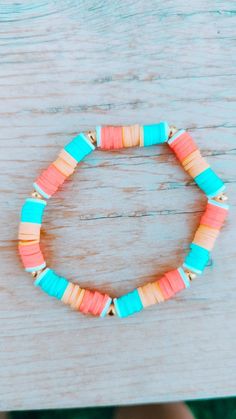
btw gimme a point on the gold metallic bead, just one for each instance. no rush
(35, 274)
(111, 311)
(173, 130)
(221, 198)
(36, 195)
(191, 275)
(92, 137)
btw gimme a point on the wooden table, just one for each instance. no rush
(125, 217)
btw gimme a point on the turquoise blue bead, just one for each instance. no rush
(128, 304)
(155, 134)
(32, 211)
(98, 135)
(184, 277)
(197, 258)
(209, 182)
(79, 147)
(52, 283)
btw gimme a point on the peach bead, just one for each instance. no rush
(191, 157)
(148, 290)
(205, 237)
(68, 158)
(157, 292)
(74, 295)
(198, 167)
(131, 135)
(63, 167)
(80, 298)
(68, 291)
(143, 297)
(29, 231)
(195, 165)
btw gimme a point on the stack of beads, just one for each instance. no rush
(29, 234)
(79, 299)
(152, 293)
(54, 176)
(203, 242)
(117, 137)
(190, 157)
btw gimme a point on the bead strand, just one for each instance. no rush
(190, 157)
(203, 242)
(153, 292)
(29, 234)
(54, 176)
(172, 282)
(117, 137)
(79, 299)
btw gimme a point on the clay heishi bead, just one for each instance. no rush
(205, 237)
(49, 181)
(51, 283)
(197, 259)
(128, 304)
(95, 303)
(182, 144)
(210, 183)
(79, 147)
(32, 211)
(155, 134)
(32, 257)
(131, 136)
(214, 214)
(29, 231)
(111, 138)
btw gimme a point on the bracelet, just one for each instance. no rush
(111, 138)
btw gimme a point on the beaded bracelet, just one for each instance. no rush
(111, 138)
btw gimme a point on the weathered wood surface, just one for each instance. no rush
(126, 216)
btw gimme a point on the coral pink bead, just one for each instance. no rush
(96, 302)
(111, 138)
(50, 180)
(85, 304)
(31, 255)
(165, 287)
(214, 216)
(183, 145)
(175, 280)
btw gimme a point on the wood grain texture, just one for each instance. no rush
(125, 217)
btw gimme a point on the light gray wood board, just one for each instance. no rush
(125, 217)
